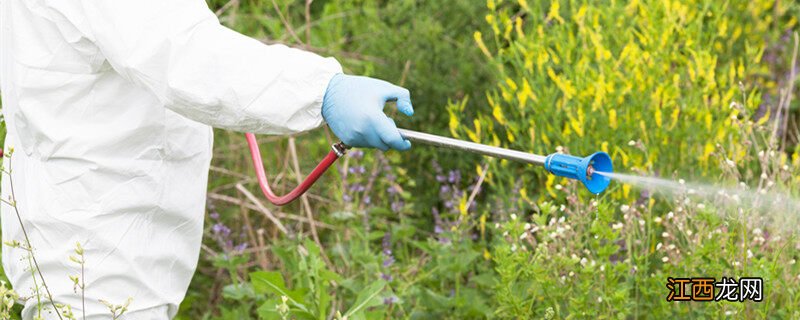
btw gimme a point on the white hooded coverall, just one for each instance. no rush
(108, 105)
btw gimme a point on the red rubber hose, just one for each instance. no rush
(304, 185)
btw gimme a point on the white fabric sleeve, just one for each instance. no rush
(203, 70)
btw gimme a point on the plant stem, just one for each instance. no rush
(28, 243)
(83, 287)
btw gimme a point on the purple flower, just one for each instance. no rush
(357, 187)
(357, 170)
(241, 247)
(357, 153)
(454, 176)
(397, 206)
(388, 262)
(221, 229)
(214, 215)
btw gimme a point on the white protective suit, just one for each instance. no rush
(108, 105)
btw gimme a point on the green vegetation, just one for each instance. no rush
(695, 89)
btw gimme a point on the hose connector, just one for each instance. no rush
(582, 169)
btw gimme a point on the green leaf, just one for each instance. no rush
(368, 297)
(239, 292)
(271, 281)
(269, 310)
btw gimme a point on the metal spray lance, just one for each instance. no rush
(582, 169)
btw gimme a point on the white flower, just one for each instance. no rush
(631, 143)
(749, 254)
(571, 274)
(671, 247)
(657, 220)
(584, 261)
(602, 267)
(736, 263)
(681, 181)
(665, 234)
(658, 246)
(617, 226)
(527, 226)
(513, 216)
(641, 222)
(559, 187)
(665, 259)
(670, 215)
(560, 149)
(599, 299)
(793, 261)
(513, 247)
(562, 219)
(624, 208)
(523, 236)
(764, 175)
(689, 233)
(562, 208)
(497, 225)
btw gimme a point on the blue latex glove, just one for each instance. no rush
(353, 108)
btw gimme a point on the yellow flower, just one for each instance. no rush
(612, 118)
(479, 40)
(553, 14)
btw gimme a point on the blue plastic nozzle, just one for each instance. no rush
(583, 169)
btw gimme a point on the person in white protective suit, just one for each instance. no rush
(109, 106)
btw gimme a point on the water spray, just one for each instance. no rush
(583, 169)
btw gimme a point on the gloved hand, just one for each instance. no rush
(353, 108)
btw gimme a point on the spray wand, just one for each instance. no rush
(563, 165)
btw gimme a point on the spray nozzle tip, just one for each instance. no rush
(582, 169)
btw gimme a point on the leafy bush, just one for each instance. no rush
(589, 76)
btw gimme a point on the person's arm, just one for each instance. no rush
(203, 70)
